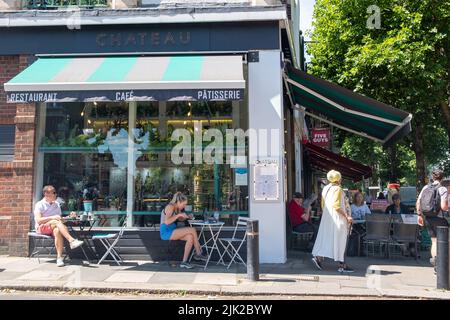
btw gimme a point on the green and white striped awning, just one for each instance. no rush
(346, 109)
(129, 78)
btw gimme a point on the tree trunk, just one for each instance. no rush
(420, 156)
(393, 168)
(445, 107)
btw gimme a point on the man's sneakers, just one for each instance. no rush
(59, 262)
(75, 244)
(186, 265)
(317, 263)
(345, 269)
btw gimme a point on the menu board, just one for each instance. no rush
(266, 180)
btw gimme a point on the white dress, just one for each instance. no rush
(333, 230)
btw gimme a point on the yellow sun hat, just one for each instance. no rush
(333, 176)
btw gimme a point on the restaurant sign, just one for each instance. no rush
(321, 137)
(126, 95)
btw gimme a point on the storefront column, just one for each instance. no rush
(298, 125)
(39, 156)
(131, 162)
(265, 94)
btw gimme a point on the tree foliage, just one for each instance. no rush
(404, 63)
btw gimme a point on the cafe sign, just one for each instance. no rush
(126, 95)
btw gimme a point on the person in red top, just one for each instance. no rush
(300, 217)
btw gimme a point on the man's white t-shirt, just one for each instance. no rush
(47, 209)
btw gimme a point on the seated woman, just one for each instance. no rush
(169, 231)
(359, 208)
(397, 207)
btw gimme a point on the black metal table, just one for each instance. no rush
(85, 226)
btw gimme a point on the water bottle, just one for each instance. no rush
(205, 216)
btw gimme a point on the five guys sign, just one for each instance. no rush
(321, 137)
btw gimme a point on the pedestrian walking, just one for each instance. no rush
(332, 237)
(431, 203)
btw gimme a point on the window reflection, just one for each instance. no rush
(87, 158)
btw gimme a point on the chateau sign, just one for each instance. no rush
(143, 39)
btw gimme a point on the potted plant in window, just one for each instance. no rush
(89, 195)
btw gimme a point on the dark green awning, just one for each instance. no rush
(346, 109)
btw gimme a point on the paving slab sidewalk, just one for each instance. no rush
(373, 277)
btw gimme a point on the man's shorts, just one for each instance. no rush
(432, 223)
(45, 229)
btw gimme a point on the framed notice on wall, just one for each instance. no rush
(266, 184)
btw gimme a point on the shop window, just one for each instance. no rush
(88, 157)
(7, 141)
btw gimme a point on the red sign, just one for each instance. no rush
(379, 205)
(321, 137)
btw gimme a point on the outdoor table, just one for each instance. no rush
(214, 229)
(359, 230)
(85, 228)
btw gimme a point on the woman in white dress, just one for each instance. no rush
(331, 239)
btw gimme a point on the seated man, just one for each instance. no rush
(47, 217)
(300, 218)
(397, 207)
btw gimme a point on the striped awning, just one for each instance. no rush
(324, 160)
(346, 109)
(129, 78)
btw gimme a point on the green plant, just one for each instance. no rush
(73, 140)
(72, 204)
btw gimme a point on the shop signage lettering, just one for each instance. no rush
(30, 97)
(142, 39)
(321, 137)
(124, 95)
(219, 95)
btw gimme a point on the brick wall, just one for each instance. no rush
(16, 177)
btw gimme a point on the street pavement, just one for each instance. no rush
(400, 277)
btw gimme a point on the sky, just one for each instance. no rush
(306, 12)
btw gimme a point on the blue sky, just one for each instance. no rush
(306, 12)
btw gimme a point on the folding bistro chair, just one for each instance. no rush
(378, 232)
(109, 241)
(40, 243)
(233, 245)
(404, 234)
(297, 237)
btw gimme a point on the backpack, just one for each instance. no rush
(430, 201)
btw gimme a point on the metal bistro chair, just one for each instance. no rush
(378, 230)
(296, 237)
(403, 234)
(109, 241)
(40, 241)
(233, 245)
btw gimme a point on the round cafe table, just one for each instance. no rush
(210, 245)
